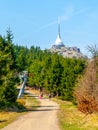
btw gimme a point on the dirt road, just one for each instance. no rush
(44, 118)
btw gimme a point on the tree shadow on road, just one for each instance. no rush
(42, 108)
(1, 121)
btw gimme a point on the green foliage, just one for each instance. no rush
(72, 69)
(7, 62)
(52, 72)
(56, 74)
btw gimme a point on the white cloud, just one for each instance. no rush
(69, 13)
(48, 25)
(61, 18)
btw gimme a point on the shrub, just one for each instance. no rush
(21, 102)
(86, 93)
(87, 104)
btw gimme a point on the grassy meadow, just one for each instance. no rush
(72, 119)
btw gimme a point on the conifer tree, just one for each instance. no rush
(7, 87)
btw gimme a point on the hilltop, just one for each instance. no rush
(69, 52)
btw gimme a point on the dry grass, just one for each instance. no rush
(72, 119)
(7, 117)
(37, 92)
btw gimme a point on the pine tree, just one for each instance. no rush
(7, 87)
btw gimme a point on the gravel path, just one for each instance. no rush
(44, 118)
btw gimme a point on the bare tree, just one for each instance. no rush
(93, 49)
(86, 93)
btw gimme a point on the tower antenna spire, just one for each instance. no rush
(58, 26)
(58, 41)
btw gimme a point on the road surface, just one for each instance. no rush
(44, 118)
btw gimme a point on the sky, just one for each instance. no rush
(35, 22)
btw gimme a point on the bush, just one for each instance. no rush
(87, 104)
(21, 102)
(86, 93)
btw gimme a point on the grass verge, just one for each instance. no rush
(7, 116)
(72, 119)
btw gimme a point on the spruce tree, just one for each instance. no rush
(7, 63)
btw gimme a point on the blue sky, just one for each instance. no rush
(35, 22)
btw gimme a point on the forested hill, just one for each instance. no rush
(52, 72)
